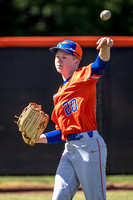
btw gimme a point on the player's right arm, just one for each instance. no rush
(42, 139)
(51, 137)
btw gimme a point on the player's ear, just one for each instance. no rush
(77, 61)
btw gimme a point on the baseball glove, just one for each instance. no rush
(31, 123)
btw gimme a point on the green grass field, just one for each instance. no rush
(128, 195)
(49, 180)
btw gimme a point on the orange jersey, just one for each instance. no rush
(75, 103)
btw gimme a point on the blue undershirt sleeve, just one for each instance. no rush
(99, 66)
(54, 137)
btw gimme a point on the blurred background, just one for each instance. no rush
(27, 74)
(60, 17)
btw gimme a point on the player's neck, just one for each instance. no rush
(66, 76)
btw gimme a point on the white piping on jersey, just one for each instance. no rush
(89, 72)
(58, 93)
(88, 77)
(95, 77)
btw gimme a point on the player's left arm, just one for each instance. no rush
(104, 45)
(100, 64)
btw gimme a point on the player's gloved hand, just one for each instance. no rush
(32, 122)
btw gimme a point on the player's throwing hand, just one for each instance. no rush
(104, 42)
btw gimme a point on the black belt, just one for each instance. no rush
(78, 136)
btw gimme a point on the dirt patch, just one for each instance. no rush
(25, 187)
(30, 187)
(119, 186)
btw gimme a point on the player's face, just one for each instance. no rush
(65, 64)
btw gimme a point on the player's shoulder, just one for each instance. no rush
(85, 73)
(81, 74)
(81, 71)
(83, 68)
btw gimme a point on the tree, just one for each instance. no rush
(61, 17)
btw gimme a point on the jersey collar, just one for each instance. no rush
(66, 80)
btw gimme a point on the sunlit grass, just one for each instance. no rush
(128, 195)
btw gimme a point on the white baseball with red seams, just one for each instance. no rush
(105, 15)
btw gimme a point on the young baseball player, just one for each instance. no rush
(84, 158)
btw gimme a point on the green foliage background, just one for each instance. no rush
(65, 17)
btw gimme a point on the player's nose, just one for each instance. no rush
(59, 59)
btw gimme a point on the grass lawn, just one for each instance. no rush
(128, 195)
(120, 179)
(26, 179)
(49, 180)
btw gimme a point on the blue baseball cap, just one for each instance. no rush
(70, 47)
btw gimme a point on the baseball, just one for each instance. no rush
(105, 15)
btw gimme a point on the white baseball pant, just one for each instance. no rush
(83, 162)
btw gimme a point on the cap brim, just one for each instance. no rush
(54, 49)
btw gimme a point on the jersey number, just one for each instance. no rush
(70, 106)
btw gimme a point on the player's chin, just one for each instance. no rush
(59, 69)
